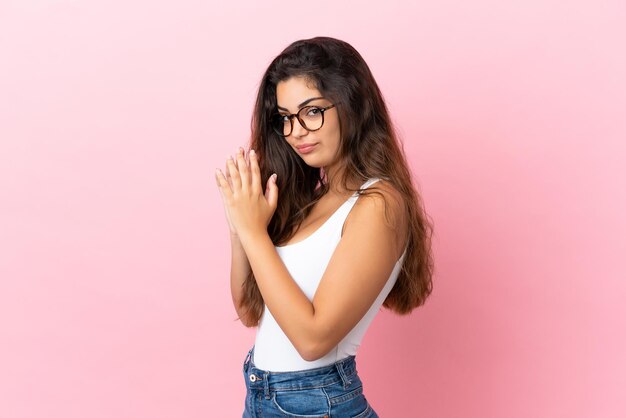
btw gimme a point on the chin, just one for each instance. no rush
(313, 164)
(314, 160)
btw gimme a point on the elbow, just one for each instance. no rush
(314, 350)
(309, 355)
(319, 341)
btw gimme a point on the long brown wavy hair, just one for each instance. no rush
(369, 148)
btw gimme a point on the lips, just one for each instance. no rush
(305, 148)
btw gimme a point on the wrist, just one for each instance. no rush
(235, 239)
(252, 236)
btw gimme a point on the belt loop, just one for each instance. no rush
(247, 360)
(266, 376)
(342, 373)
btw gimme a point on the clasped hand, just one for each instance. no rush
(248, 208)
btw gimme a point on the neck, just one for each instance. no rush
(334, 179)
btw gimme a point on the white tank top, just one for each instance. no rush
(306, 261)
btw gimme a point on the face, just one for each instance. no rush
(295, 93)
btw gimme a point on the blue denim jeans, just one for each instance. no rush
(324, 392)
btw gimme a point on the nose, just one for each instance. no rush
(298, 129)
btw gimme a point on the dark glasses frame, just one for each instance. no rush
(291, 116)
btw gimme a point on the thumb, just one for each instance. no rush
(271, 191)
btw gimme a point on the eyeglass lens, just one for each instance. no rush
(311, 117)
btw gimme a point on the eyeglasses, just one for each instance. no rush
(311, 118)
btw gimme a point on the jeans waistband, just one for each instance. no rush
(340, 371)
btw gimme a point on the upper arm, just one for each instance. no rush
(359, 267)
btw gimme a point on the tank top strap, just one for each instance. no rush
(365, 185)
(347, 206)
(368, 183)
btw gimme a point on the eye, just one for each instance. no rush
(313, 111)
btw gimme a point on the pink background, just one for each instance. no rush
(114, 257)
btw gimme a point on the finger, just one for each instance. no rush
(255, 173)
(219, 185)
(234, 175)
(244, 171)
(271, 193)
(228, 178)
(236, 162)
(223, 185)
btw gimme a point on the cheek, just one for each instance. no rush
(335, 144)
(334, 129)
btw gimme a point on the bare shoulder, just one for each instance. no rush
(383, 203)
(382, 198)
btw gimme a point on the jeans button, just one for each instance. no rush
(252, 378)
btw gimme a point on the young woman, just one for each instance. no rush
(337, 232)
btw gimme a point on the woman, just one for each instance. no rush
(337, 232)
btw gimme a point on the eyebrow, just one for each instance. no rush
(302, 104)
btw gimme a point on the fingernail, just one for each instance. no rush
(252, 152)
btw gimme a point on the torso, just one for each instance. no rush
(322, 210)
(328, 205)
(306, 258)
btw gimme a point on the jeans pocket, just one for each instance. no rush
(304, 403)
(348, 402)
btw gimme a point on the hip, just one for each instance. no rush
(335, 390)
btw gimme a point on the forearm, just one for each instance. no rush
(239, 270)
(288, 304)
